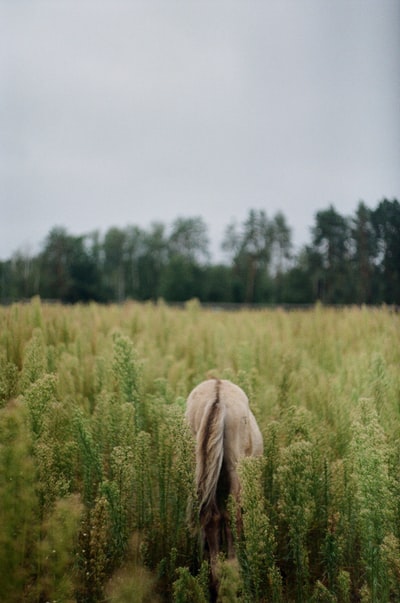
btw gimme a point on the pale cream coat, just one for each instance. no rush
(226, 430)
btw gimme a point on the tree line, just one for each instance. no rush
(349, 259)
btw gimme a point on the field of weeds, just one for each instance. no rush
(96, 464)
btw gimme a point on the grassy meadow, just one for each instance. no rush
(96, 463)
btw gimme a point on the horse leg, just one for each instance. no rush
(228, 535)
(212, 536)
(235, 492)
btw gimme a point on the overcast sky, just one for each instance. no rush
(117, 113)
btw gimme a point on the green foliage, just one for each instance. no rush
(90, 460)
(296, 506)
(343, 587)
(322, 595)
(69, 269)
(190, 588)
(350, 259)
(18, 504)
(56, 578)
(97, 464)
(257, 546)
(34, 362)
(373, 500)
(94, 550)
(132, 582)
(39, 398)
(127, 372)
(8, 381)
(143, 479)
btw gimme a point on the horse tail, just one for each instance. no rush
(209, 456)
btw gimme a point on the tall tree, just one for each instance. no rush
(282, 241)
(218, 285)
(84, 272)
(386, 221)
(187, 252)
(152, 261)
(297, 282)
(55, 257)
(135, 245)
(331, 239)
(114, 247)
(363, 253)
(181, 280)
(189, 239)
(23, 275)
(69, 273)
(281, 251)
(250, 249)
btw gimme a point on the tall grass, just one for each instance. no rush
(96, 463)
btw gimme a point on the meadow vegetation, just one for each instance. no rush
(96, 463)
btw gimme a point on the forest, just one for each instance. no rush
(349, 260)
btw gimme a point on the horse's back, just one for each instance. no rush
(206, 392)
(199, 398)
(242, 434)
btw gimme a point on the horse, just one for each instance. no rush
(226, 430)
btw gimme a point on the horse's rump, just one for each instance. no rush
(225, 429)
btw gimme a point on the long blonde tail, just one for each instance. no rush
(209, 456)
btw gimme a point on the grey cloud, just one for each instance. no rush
(121, 112)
